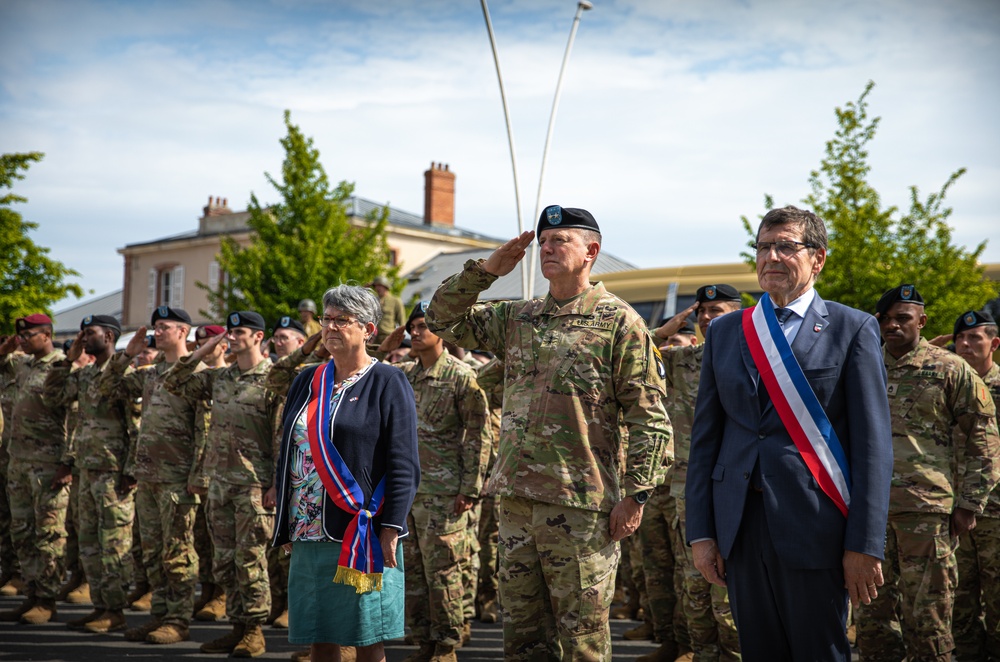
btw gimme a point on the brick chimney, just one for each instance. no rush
(217, 207)
(439, 195)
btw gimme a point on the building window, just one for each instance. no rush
(166, 287)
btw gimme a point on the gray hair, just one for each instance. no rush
(354, 300)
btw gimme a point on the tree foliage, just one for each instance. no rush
(873, 248)
(30, 281)
(301, 246)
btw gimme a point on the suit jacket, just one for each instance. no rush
(839, 350)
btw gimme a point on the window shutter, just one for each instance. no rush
(151, 294)
(213, 276)
(177, 287)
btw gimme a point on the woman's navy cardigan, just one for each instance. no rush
(375, 431)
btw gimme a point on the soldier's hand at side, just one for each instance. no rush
(463, 503)
(64, 476)
(309, 346)
(270, 498)
(76, 349)
(388, 536)
(862, 577)
(675, 323)
(941, 341)
(626, 517)
(709, 562)
(962, 521)
(503, 260)
(136, 344)
(393, 340)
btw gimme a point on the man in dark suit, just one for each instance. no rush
(760, 520)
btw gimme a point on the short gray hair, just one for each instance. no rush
(354, 300)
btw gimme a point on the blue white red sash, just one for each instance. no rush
(360, 564)
(796, 404)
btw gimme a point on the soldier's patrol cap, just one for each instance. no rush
(107, 321)
(170, 314)
(32, 321)
(287, 322)
(307, 304)
(245, 318)
(419, 310)
(720, 292)
(208, 331)
(905, 293)
(972, 319)
(555, 216)
(381, 280)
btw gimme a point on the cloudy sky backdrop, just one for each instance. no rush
(676, 116)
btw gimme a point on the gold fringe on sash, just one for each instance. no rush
(361, 582)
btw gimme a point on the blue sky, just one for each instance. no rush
(676, 117)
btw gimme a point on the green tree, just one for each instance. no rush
(301, 246)
(873, 248)
(30, 281)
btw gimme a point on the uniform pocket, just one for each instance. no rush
(597, 576)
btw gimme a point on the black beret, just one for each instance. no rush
(32, 321)
(245, 318)
(107, 321)
(904, 293)
(555, 216)
(721, 292)
(67, 344)
(287, 322)
(151, 341)
(419, 310)
(170, 314)
(972, 319)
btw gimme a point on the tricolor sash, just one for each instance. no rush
(796, 404)
(360, 564)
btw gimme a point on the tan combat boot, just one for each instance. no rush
(642, 632)
(215, 608)
(14, 586)
(425, 653)
(466, 634)
(488, 612)
(15, 614)
(252, 644)
(78, 623)
(43, 611)
(443, 653)
(112, 620)
(227, 642)
(140, 590)
(79, 595)
(306, 655)
(142, 602)
(139, 633)
(348, 654)
(207, 593)
(281, 622)
(169, 633)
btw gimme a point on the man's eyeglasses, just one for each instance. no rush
(782, 248)
(28, 335)
(339, 322)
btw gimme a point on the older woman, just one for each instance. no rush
(346, 477)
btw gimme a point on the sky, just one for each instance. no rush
(676, 118)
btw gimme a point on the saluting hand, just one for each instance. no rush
(207, 348)
(503, 260)
(8, 346)
(675, 323)
(393, 340)
(310, 344)
(136, 344)
(76, 349)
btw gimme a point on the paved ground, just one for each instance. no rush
(53, 641)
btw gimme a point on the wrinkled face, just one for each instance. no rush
(421, 337)
(900, 327)
(709, 310)
(242, 339)
(974, 345)
(286, 341)
(564, 252)
(787, 277)
(343, 333)
(147, 356)
(95, 340)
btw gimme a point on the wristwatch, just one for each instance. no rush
(642, 497)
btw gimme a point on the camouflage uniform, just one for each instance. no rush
(574, 373)
(945, 450)
(37, 448)
(490, 378)
(238, 466)
(709, 620)
(202, 537)
(101, 444)
(454, 444)
(167, 461)
(8, 558)
(976, 618)
(393, 314)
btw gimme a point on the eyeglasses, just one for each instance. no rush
(28, 335)
(782, 248)
(339, 322)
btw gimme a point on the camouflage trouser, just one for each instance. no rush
(38, 524)
(912, 614)
(976, 620)
(435, 594)
(105, 536)
(709, 618)
(203, 544)
(72, 561)
(636, 575)
(241, 529)
(8, 557)
(277, 573)
(557, 572)
(657, 560)
(470, 566)
(488, 550)
(166, 516)
(138, 569)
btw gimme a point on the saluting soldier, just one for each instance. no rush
(10, 569)
(945, 455)
(579, 364)
(168, 457)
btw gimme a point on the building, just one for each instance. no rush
(165, 271)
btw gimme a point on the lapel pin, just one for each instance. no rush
(817, 327)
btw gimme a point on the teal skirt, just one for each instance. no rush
(321, 612)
